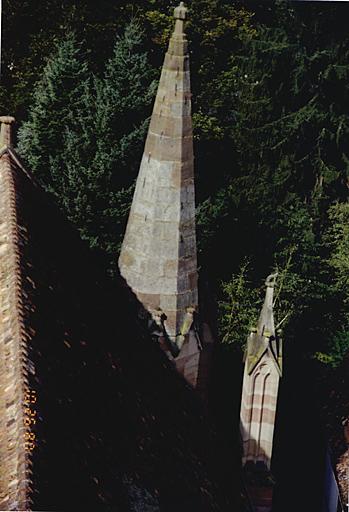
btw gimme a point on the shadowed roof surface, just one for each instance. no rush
(117, 428)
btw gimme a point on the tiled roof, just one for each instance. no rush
(115, 424)
(337, 401)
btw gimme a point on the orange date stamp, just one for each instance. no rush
(29, 419)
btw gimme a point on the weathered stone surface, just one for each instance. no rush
(5, 130)
(260, 388)
(260, 391)
(158, 256)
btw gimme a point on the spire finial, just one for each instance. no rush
(180, 15)
(271, 280)
(180, 12)
(5, 131)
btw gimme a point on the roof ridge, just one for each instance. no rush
(14, 366)
(3, 150)
(18, 160)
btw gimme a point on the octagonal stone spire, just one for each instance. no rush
(158, 256)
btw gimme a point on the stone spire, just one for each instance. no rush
(6, 131)
(158, 256)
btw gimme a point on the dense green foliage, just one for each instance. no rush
(271, 96)
(284, 109)
(84, 145)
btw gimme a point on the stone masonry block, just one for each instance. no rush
(150, 300)
(167, 195)
(154, 266)
(183, 283)
(173, 62)
(169, 148)
(168, 302)
(187, 169)
(181, 108)
(193, 280)
(187, 228)
(171, 268)
(167, 232)
(177, 48)
(170, 76)
(187, 217)
(169, 95)
(175, 178)
(167, 126)
(126, 259)
(188, 192)
(184, 300)
(163, 250)
(167, 212)
(187, 247)
(188, 264)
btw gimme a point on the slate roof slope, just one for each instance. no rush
(116, 427)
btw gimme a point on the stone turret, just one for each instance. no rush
(158, 256)
(263, 369)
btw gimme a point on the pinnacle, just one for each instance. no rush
(180, 12)
(5, 131)
(7, 119)
(271, 280)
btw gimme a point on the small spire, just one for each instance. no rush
(263, 338)
(266, 319)
(6, 130)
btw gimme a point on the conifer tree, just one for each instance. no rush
(85, 143)
(57, 101)
(104, 150)
(291, 154)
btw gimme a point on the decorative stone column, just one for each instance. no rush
(263, 369)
